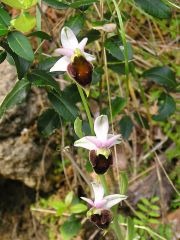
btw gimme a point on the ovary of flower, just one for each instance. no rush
(69, 48)
(102, 141)
(101, 202)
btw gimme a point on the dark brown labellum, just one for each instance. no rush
(81, 70)
(99, 162)
(102, 220)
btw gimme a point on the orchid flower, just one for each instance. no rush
(99, 145)
(102, 140)
(101, 202)
(69, 46)
(100, 213)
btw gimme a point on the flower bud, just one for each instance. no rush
(81, 70)
(100, 162)
(102, 219)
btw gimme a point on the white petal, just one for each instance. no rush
(88, 201)
(61, 64)
(101, 127)
(112, 200)
(115, 139)
(89, 57)
(64, 51)
(68, 38)
(98, 192)
(85, 143)
(95, 141)
(82, 44)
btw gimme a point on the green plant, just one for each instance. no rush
(70, 210)
(130, 78)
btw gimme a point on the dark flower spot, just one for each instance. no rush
(102, 220)
(81, 70)
(99, 162)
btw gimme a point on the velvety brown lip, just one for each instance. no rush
(99, 162)
(102, 220)
(81, 70)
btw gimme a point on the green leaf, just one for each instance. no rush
(15, 96)
(47, 63)
(123, 182)
(138, 222)
(155, 199)
(56, 4)
(41, 78)
(3, 30)
(40, 34)
(3, 55)
(155, 207)
(78, 208)
(78, 127)
(83, 4)
(14, 4)
(48, 121)
(59, 206)
(118, 66)
(88, 167)
(4, 17)
(28, 3)
(154, 214)
(24, 23)
(126, 126)
(115, 47)
(69, 198)
(76, 23)
(153, 221)
(141, 215)
(92, 35)
(22, 65)
(131, 230)
(63, 106)
(146, 201)
(70, 228)
(20, 45)
(143, 208)
(162, 75)
(118, 104)
(20, 4)
(156, 8)
(72, 91)
(97, 75)
(142, 121)
(167, 107)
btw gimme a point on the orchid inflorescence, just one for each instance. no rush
(100, 157)
(77, 63)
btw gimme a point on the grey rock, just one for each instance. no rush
(21, 149)
(20, 116)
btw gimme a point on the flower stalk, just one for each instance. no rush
(102, 178)
(86, 107)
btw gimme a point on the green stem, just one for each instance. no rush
(38, 22)
(123, 36)
(116, 226)
(104, 184)
(101, 177)
(88, 113)
(85, 103)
